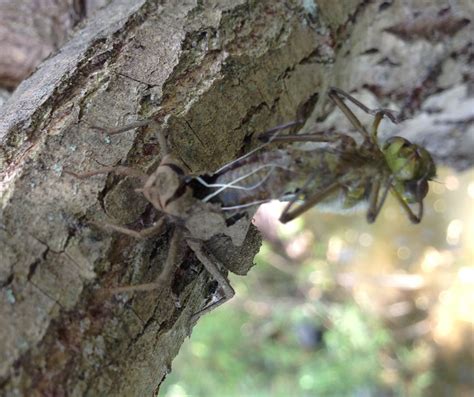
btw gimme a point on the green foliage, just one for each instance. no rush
(230, 356)
(263, 343)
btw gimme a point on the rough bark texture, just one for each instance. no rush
(215, 73)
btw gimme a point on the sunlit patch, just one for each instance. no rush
(439, 206)
(466, 275)
(454, 231)
(366, 240)
(306, 381)
(453, 315)
(266, 217)
(433, 258)
(333, 252)
(299, 245)
(363, 298)
(403, 281)
(445, 297)
(470, 190)
(199, 349)
(443, 330)
(466, 307)
(177, 390)
(315, 277)
(273, 210)
(452, 182)
(404, 253)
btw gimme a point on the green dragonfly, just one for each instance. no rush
(339, 174)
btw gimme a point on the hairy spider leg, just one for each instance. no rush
(174, 253)
(209, 261)
(213, 266)
(117, 169)
(125, 128)
(153, 230)
(125, 171)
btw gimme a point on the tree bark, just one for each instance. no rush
(214, 73)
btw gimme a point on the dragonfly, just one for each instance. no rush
(340, 174)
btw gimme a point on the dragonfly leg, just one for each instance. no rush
(375, 127)
(414, 218)
(320, 136)
(212, 265)
(389, 113)
(337, 96)
(376, 204)
(288, 214)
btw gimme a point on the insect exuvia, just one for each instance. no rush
(338, 170)
(338, 173)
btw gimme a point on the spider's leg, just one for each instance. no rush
(144, 233)
(163, 280)
(125, 128)
(212, 265)
(119, 170)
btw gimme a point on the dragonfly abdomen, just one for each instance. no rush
(261, 177)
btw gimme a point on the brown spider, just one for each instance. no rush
(195, 221)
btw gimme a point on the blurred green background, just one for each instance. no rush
(337, 307)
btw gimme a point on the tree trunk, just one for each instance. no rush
(213, 73)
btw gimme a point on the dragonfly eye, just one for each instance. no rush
(407, 161)
(427, 169)
(415, 191)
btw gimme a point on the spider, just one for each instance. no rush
(195, 221)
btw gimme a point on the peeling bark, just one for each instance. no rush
(215, 73)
